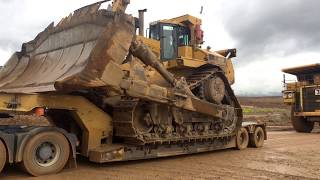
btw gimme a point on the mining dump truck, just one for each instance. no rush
(303, 96)
(92, 86)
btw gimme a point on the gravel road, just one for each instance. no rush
(286, 155)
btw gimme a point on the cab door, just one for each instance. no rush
(168, 42)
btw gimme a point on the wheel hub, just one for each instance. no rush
(259, 136)
(47, 154)
(241, 138)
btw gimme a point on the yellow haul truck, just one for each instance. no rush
(303, 96)
(92, 86)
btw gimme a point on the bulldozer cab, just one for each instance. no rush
(171, 36)
(175, 33)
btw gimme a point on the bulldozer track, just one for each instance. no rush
(125, 111)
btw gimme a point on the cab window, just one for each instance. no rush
(168, 42)
(154, 32)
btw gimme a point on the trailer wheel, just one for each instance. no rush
(257, 138)
(301, 124)
(242, 139)
(46, 153)
(3, 156)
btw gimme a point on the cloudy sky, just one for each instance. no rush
(269, 34)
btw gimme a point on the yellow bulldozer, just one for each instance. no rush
(91, 85)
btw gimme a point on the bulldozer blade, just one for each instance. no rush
(80, 52)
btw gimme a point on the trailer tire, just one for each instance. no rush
(242, 140)
(257, 138)
(3, 156)
(46, 153)
(301, 124)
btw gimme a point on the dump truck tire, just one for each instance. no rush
(242, 140)
(257, 138)
(301, 124)
(3, 156)
(46, 153)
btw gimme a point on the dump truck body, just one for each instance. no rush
(303, 96)
(90, 85)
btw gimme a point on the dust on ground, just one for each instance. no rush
(24, 120)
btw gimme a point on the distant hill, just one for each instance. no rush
(263, 102)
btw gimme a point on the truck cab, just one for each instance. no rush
(303, 96)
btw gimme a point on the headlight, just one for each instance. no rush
(290, 95)
(285, 96)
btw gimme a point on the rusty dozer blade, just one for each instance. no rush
(78, 53)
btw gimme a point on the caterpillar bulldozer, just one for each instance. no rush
(92, 85)
(303, 96)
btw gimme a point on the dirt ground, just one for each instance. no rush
(286, 155)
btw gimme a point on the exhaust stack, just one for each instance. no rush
(141, 21)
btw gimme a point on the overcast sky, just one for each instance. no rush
(269, 34)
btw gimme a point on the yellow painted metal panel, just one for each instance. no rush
(95, 123)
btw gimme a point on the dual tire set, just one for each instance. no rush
(44, 153)
(255, 139)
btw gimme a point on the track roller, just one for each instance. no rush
(214, 89)
(46, 153)
(242, 139)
